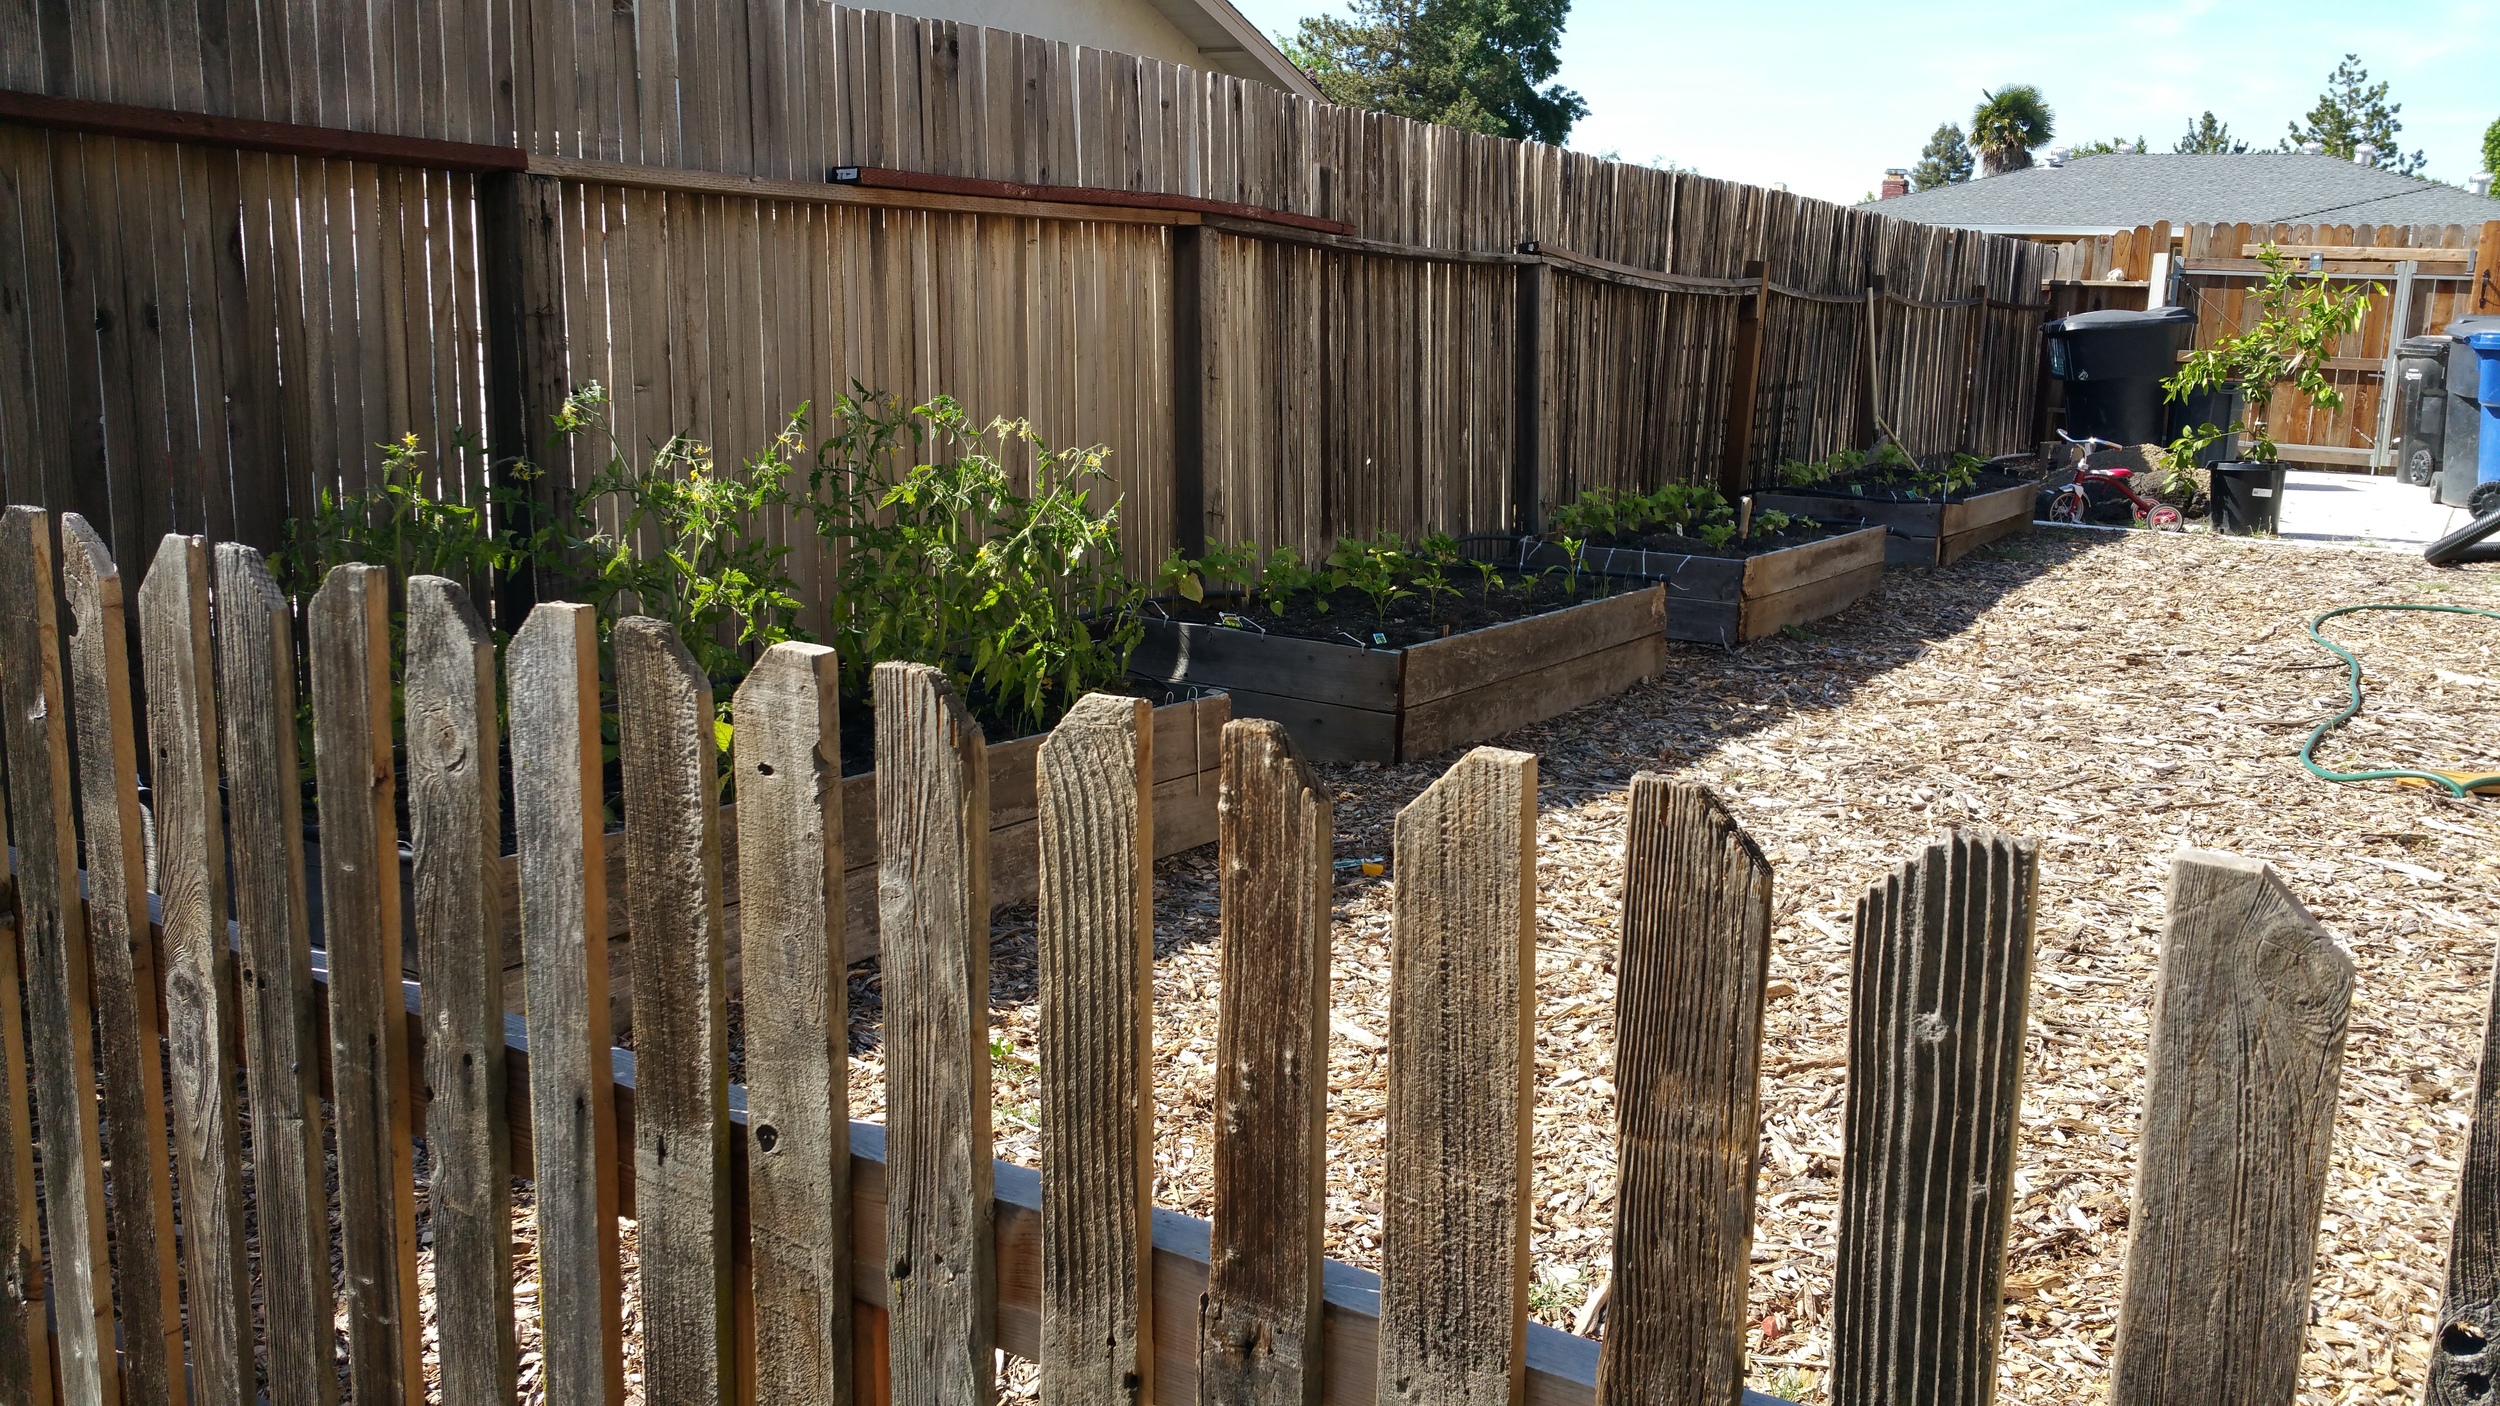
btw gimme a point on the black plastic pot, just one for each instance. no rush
(2248, 498)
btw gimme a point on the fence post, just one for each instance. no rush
(1688, 1041)
(1968, 433)
(1870, 407)
(521, 268)
(1938, 999)
(1462, 1002)
(557, 804)
(681, 1065)
(2239, 1107)
(2487, 269)
(1095, 934)
(349, 626)
(1744, 384)
(1528, 397)
(788, 762)
(127, 994)
(933, 917)
(1259, 1331)
(199, 994)
(54, 985)
(455, 813)
(1192, 271)
(2465, 1357)
(282, 1059)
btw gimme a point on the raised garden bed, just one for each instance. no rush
(1729, 599)
(1919, 533)
(1342, 702)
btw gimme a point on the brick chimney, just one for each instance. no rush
(1896, 182)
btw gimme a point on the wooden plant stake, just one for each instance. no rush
(933, 914)
(256, 688)
(1462, 1001)
(2465, 1359)
(350, 636)
(1259, 1333)
(201, 1026)
(681, 1097)
(553, 669)
(1095, 935)
(798, 1042)
(455, 810)
(1688, 1045)
(31, 921)
(2239, 1108)
(128, 999)
(1938, 1002)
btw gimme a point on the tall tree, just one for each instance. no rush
(2351, 111)
(2008, 125)
(2491, 146)
(1473, 64)
(2208, 137)
(1945, 162)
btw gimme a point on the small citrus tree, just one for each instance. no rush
(2298, 322)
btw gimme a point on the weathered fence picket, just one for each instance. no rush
(2239, 1109)
(751, 1278)
(129, 1059)
(1259, 1332)
(2465, 1356)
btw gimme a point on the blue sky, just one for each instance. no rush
(1822, 95)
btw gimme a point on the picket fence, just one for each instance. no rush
(785, 1253)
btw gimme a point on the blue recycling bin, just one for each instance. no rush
(2486, 347)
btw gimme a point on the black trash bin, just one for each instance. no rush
(2421, 408)
(2248, 498)
(2113, 363)
(2462, 440)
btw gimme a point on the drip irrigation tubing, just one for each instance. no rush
(2352, 681)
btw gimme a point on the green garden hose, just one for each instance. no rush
(2456, 783)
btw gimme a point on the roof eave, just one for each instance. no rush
(1233, 45)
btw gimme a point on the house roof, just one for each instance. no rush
(1234, 45)
(2120, 190)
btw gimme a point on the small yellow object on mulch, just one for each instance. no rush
(2487, 780)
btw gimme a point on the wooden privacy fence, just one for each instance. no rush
(784, 1253)
(2424, 277)
(235, 257)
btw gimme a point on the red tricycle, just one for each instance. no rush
(2108, 495)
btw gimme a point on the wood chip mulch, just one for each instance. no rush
(2115, 695)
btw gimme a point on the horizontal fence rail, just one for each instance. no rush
(242, 260)
(780, 1243)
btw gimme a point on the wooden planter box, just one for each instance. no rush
(1187, 764)
(1920, 534)
(1729, 600)
(1341, 703)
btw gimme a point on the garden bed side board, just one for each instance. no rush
(1921, 534)
(1187, 763)
(1344, 703)
(1730, 600)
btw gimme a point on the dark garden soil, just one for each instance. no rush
(1348, 617)
(1899, 487)
(1796, 534)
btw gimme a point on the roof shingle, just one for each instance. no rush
(2122, 190)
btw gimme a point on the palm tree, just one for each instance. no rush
(2007, 125)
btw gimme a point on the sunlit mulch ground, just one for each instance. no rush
(2116, 696)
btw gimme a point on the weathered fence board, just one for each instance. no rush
(1260, 1326)
(1454, 1231)
(25, 1336)
(681, 1124)
(933, 807)
(34, 711)
(202, 1034)
(2239, 1108)
(129, 1059)
(798, 1042)
(2465, 1357)
(1688, 1041)
(349, 633)
(281, 1051)
(1936, 1014)
(553, 666)
(455, 813)
(1095, 938)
